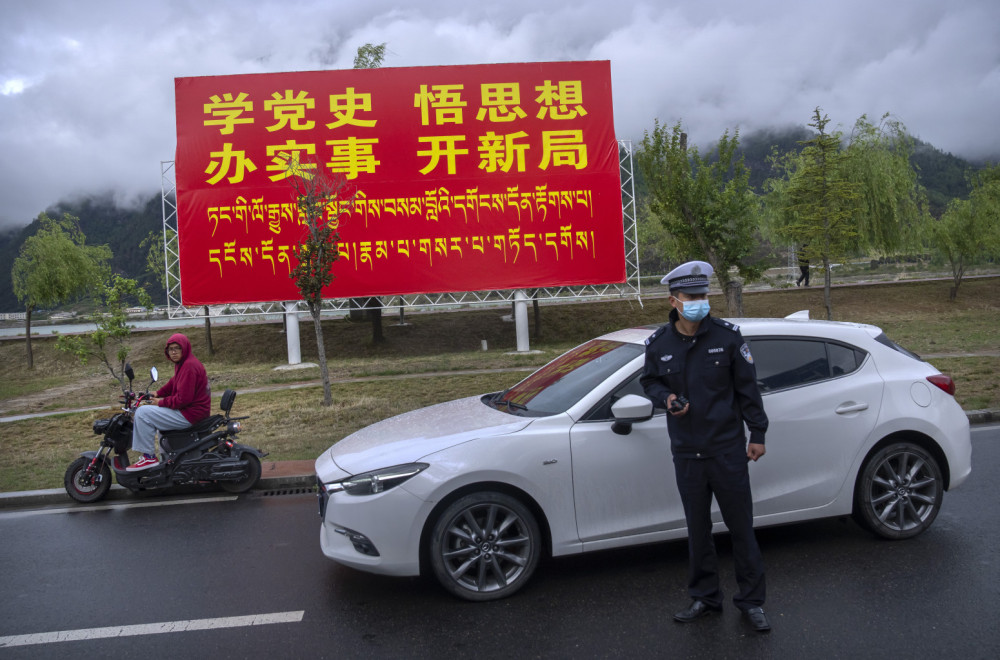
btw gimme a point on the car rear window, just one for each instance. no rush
(885, 341)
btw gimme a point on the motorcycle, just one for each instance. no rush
(206, 452)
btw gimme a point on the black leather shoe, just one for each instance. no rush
(696, 610)
(758, 619)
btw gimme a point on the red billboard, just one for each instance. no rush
(466, 178)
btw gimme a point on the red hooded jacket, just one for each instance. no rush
(188, 391)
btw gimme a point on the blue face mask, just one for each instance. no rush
(695, 310)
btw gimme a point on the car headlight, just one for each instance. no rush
(376, 481)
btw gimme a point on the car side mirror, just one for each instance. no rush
(628, 410)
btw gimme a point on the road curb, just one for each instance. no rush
(51, 496)
(983, 416)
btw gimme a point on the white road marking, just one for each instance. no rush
(105, 507)
(151, 629)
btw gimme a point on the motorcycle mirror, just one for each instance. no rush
(128, 372)
(154, 374)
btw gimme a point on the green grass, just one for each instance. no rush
(291, 424)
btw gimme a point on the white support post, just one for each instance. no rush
(521, 320)
(292, 333)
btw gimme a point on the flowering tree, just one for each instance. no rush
(322, 200)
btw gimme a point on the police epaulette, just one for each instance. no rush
(726, 324)
(657, 333)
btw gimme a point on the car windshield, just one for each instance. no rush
(554, 388)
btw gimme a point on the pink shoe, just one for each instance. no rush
(143, 463)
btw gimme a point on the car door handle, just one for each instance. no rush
(845, 408)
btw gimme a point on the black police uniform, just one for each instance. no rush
(714, 370)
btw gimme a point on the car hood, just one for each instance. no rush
(411, 436)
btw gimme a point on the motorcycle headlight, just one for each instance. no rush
(376, 481)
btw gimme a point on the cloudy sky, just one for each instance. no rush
(87, 87)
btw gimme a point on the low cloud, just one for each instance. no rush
(86, 89)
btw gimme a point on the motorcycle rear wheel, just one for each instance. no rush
(83, 487)
(247, 482)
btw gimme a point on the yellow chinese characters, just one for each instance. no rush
(441, 145)
(563, 148)
(563, 100)
(505, 142)
(501, 102)
(226, 161)
(290, 111)
(503, 151)
(227, 111)
(286, 160)
(445, 100)
(352, 156)
(346, 106)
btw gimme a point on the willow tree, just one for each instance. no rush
(840, 196)
(369, 56)
(54, 266)
(705, 204)
(970, 228)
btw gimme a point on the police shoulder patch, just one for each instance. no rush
(656, 334)
(745, 352)
(726, 324)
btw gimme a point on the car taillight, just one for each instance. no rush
(944, 382)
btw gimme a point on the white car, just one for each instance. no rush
(574, 458)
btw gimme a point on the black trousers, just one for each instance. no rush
(728, 479)
(803, 275)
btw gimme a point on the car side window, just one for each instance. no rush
(786, 362)
(602, 411)
(844, 359)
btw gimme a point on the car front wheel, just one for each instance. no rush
(485, 546)
(899, 492)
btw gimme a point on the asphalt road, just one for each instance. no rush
(244, 578)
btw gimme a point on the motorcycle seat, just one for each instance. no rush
(181, 439)
(207, 424)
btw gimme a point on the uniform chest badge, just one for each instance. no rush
(666, 358)
(745, 352)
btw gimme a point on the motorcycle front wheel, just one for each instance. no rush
(85, 485)
(248, 481)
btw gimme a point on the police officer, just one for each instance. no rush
(701, 370)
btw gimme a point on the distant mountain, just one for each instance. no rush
(756, 148)
(103, 223)
(942, 174)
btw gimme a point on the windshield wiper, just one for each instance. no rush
(498, 399)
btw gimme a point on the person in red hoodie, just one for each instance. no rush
(185, 400)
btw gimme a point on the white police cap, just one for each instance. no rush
(690, 277)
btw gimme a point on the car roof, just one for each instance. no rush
(798, 324)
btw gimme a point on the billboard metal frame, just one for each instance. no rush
(629, 288)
